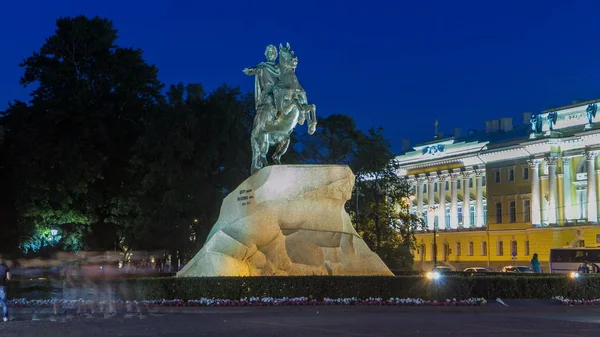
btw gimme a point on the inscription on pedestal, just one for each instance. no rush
(245, 197)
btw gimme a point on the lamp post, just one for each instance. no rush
(433, 209)
(54, 233)
(487, 231)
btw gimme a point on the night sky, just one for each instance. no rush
(400, 66)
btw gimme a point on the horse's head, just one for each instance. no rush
(287, 57)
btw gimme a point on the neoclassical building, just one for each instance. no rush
(496, 197)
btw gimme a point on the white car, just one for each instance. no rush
(476, 270)
(441, 269)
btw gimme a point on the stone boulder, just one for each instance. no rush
(287, 220)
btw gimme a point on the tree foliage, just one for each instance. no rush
(195, 149)
(381, 198)
(71, 144)
(334, 142)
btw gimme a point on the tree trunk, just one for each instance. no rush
(174, 260)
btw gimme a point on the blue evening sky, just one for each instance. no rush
(396, 64)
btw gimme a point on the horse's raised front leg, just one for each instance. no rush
(281, 148)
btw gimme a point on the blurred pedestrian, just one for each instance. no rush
(535, 264)
(4, 278)
(584, 268)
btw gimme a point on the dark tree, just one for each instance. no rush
(380, 202)
(71, 146)
(334, 142)
(195, 150)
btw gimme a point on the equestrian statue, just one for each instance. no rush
(281, 103)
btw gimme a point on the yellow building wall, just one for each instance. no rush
(506, 191)
(541, 240)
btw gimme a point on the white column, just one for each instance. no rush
(454, 177)
(536, 214)
(467, 199)
(431, 202)
(420, 185)
(597, 189)
(442, 209)
(592, 211)
(566, 168)
(479, 201)
(552, 189)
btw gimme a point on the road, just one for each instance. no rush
(324, 321)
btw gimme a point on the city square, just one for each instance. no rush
(329, 321)
(225, 169)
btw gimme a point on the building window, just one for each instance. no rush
(511, 175)
(470, 249)
(526, 248)
(446, 251)
(485, 213)
(472, 215)
(458, 249)
(513, 248)
(433, 251)
(447, 185)
(483, 181)
(582, 202)
(513, 211)
(499, 248)
(526, 210)
(483, 248)
(423, 252)
(499, 212)
(447, 217)
(525, 173)
(435, 187)
(424, 188)
(460, 214)
(497, 176)
(458, 183)
(470, 182)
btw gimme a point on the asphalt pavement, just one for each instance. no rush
(490, 321)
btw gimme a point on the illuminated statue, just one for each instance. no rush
(281, 103)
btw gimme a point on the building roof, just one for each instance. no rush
(567, 122)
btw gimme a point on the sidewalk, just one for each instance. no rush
(510, 305)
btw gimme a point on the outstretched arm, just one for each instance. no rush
(250, 71)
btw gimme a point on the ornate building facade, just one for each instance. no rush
(495, 198)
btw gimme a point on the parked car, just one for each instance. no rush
(437, 272)
(517, 269)
(476, 270)
(441, 269)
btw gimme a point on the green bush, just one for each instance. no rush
(319, 287)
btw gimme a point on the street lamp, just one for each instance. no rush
(54, 232)
(433, 209)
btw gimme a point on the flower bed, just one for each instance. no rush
(568, 301)
(255, 301)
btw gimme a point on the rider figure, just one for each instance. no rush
(267, 75)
